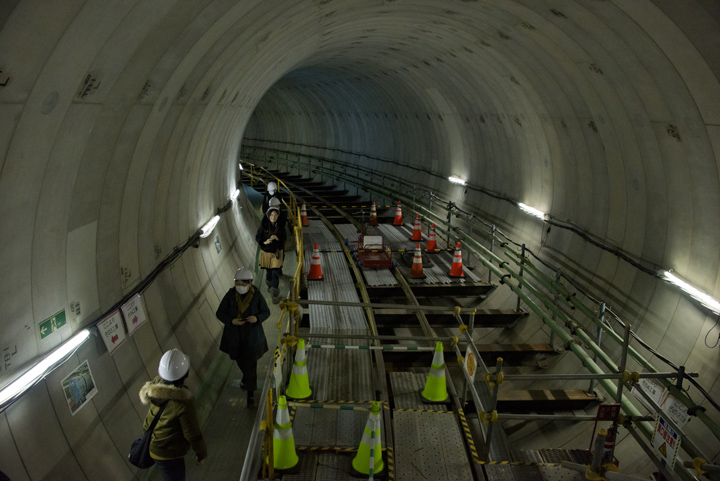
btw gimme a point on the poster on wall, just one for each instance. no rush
(79, 387)
(134, 313)
(112, 331)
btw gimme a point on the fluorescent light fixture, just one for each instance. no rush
(531, 210)
(39, 370)
(235, 195)
(456, 180)
(694, 292)
(208, 228)
(240, 165)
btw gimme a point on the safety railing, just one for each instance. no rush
(549, 292)
(287, 324)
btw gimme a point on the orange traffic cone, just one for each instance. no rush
(303, 216)
(315, 267)
(456, 269)
(417, 233)
(373, 215)
(417, 266)
(432, 244)
(398, 216)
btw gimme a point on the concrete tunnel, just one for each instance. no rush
(123, 122)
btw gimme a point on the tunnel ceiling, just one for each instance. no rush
(122, 122)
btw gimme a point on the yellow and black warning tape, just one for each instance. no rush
(424, 411)
(468, 437)
(335, 401)
(390, 452)
(336, 449)
(519, 463)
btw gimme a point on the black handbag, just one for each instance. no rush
(140, 450)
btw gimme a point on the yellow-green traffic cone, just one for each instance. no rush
(370, 446)
(299, 386)
(435, 391)
(284, 455)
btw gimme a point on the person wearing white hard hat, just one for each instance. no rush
(243, 310)
(271, 239)
(178, 428)
(271, 193)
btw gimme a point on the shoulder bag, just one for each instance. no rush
(140, 451)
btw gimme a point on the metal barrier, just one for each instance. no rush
(553, 296)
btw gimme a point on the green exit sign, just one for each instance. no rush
(52, 324)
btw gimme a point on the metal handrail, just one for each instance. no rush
(480, 251)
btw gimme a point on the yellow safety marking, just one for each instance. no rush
(333, 401)
(390, 463)
(457, 310)
(468, 436)
(455, 340)
(424, 411)
(518, 463)
(337, 449)
(461, 360)
(462, 327)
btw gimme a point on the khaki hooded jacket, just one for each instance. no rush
(178, 428)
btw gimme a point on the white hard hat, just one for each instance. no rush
(243, 274)
(274, 202)
(271, 187)
(271, 209)
(173, 365)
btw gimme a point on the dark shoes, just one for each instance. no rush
(275, 293)
(250, 399)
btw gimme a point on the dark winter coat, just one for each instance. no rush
(246, 343)
(178, 428)
(266, 230)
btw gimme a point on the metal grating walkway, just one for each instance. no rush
(429, 446)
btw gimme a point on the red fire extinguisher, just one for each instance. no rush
(609, 447)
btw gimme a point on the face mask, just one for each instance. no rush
(242, 289)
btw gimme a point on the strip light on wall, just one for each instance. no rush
(704, 299)
(531, 211)
(208, 228)
(24, 382)
(240, 165)
(456, 180)
(235, 195)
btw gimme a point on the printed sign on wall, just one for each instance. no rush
(79, 387)
(112, 331)
(666, 441)
(651, 386)
(134, 313)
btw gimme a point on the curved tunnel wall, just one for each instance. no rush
(122, 122)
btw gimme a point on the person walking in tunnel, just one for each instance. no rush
(282, 217)
(271, 193)
(178, 427)
(243, 310)
(271, 238)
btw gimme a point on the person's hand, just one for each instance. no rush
(274, 237)
(238, 322)
(251, 319)
(268, 241)
(199, 461)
